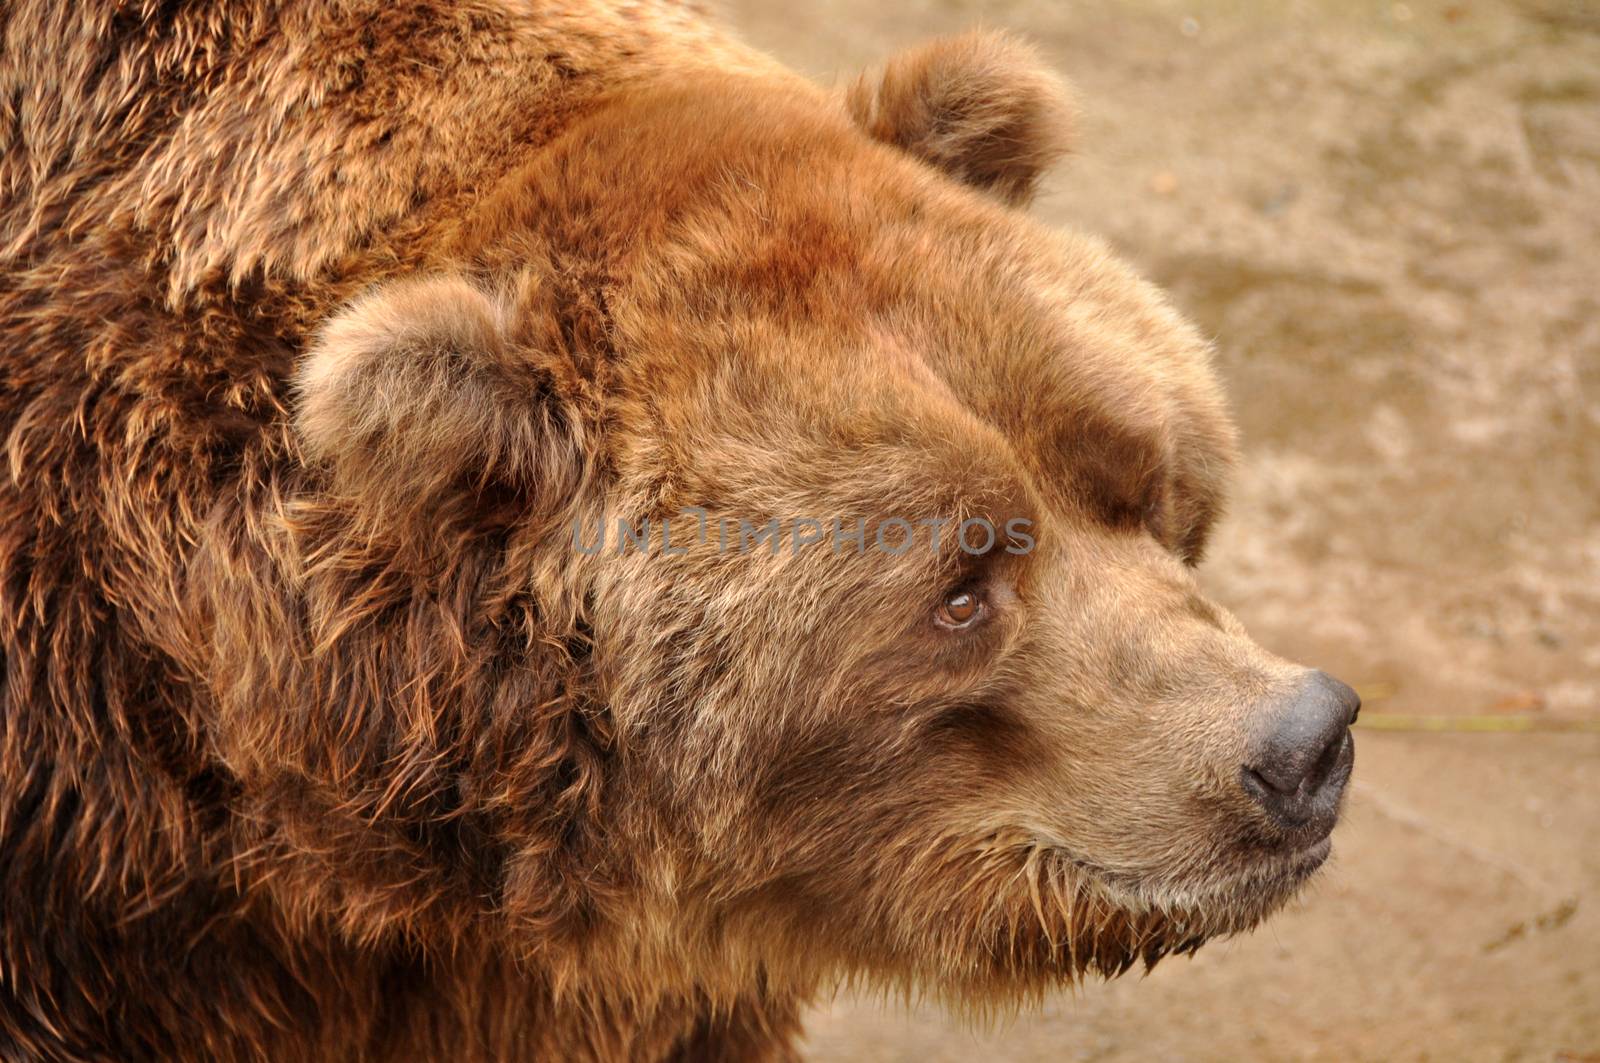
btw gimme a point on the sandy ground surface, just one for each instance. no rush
(1389, 216)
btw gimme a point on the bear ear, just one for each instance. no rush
(418, 397)
(982, 107)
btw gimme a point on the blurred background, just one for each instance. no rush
(1388, 215)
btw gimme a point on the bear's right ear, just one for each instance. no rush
(419, 398)
(982, 107)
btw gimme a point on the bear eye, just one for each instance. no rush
(959, 609)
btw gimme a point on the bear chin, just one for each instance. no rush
(1058, 918)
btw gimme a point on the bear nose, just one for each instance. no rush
(1298, 773)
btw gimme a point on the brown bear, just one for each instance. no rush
(528, 531)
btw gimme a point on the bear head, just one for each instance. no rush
(757, 546)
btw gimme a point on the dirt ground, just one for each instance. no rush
(1389, 216)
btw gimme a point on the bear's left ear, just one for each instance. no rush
(427, 405)
(982, 107)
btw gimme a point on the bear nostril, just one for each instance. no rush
(1298, 772)
(1272, 781)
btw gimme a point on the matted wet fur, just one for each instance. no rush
(323, 324)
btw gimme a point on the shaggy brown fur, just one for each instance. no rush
(322, 324)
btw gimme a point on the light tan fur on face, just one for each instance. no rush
(325, 324)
